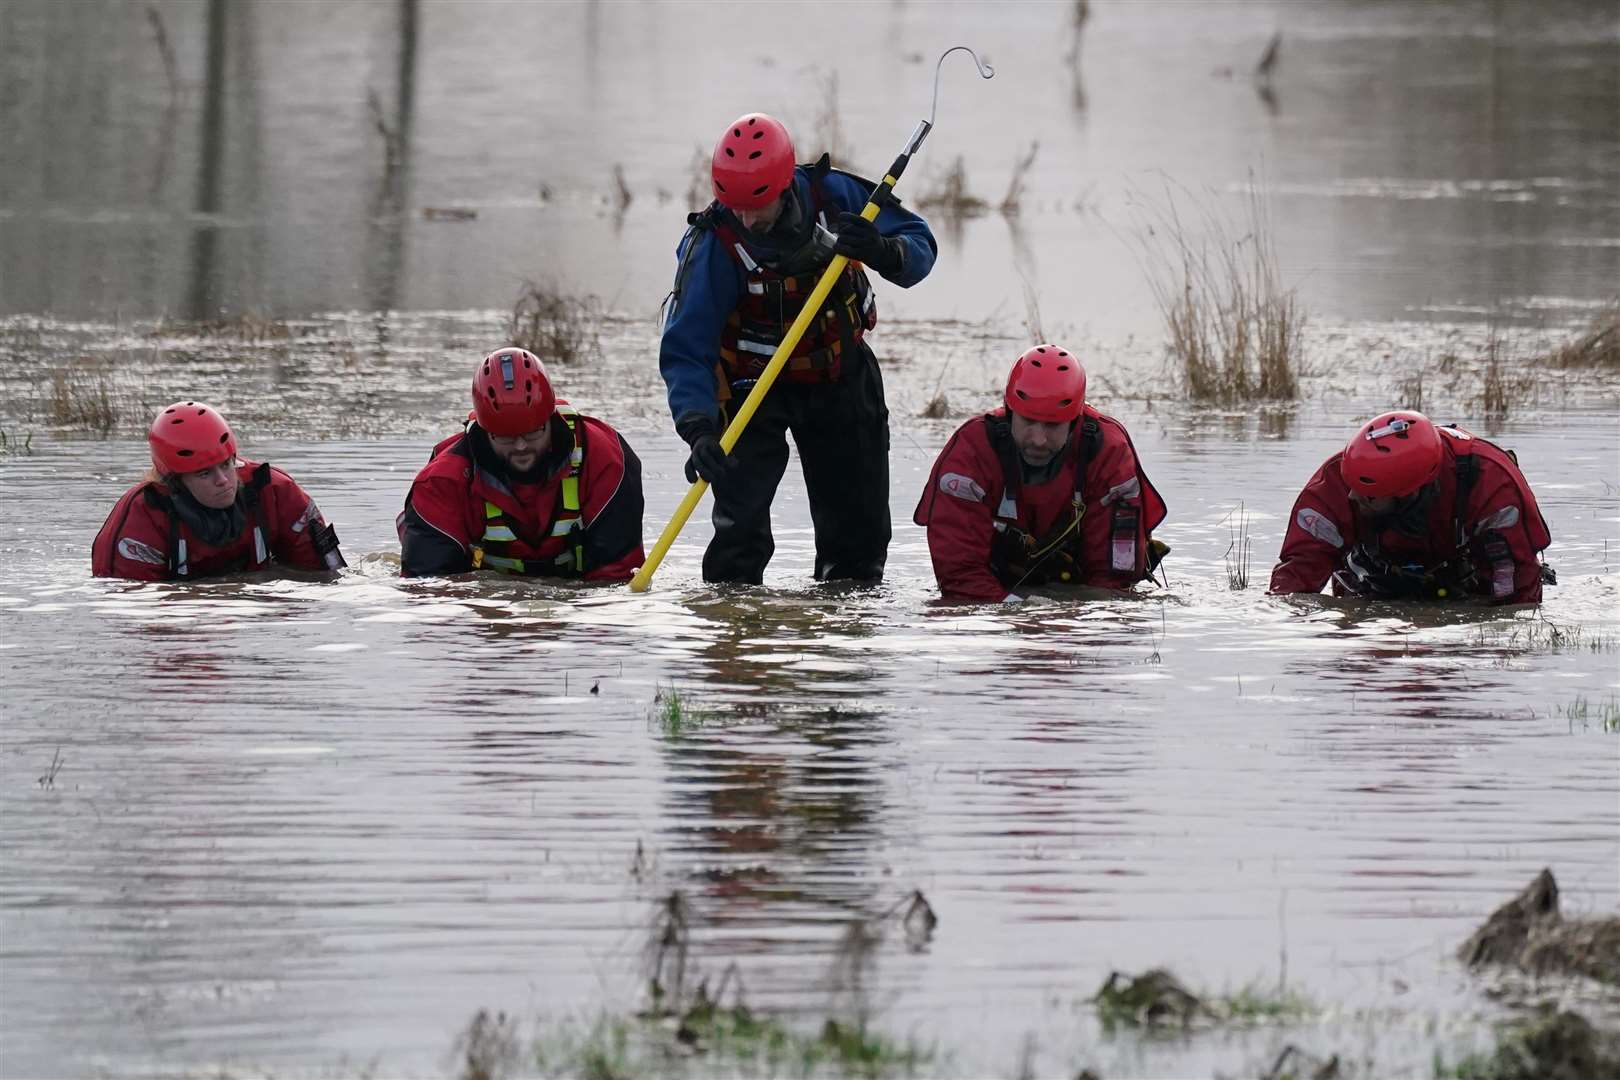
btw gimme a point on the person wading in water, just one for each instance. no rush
(747, 264)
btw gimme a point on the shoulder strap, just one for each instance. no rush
(1467, 473)
(999, 431)
(1085, 449)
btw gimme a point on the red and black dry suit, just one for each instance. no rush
(735, 296)
(158, 532)
(1476, 532)
(991, 532)
(576, 514)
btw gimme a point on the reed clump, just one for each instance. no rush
(1501, 388)
(555, 326)
(1234, 333)
(1597, 347)
(83, 399)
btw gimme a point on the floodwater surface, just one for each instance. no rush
(300, 827)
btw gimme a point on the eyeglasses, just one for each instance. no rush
(535, 439)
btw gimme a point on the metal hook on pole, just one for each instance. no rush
(925, 126)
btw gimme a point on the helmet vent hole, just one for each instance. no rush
(737, 132)
(755, 154)
(730, 152)
(758, 134)
(762, 189)
(184, 453)
(178, 420)
(224, 437)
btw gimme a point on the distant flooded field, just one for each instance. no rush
(477, 826)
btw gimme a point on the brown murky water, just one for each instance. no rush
(297, 824)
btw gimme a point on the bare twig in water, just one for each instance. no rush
(392, 152)
(1014, 200)
(621, 189)
(48, 781)
(165, 50)
(667, 950)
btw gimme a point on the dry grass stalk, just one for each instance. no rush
(1499, 391)
(555, 326)
(1234, 332)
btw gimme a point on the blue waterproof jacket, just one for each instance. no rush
(714, 284)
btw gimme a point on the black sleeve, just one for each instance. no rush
(616, 532)
(425, 551)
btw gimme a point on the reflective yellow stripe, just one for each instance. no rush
(497, 562)
(499, 532)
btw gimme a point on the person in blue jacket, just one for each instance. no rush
(746, 265)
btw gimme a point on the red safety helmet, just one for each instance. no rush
(511, 394)
(753, 163)
(1393, 455)
(1047, 384)
(188, 436)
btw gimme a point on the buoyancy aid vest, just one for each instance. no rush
(1458, 571)
(561, 553)
(1019, 558)
(772, 300)
(1016, 555)
(183, 549)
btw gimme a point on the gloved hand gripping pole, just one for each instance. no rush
(880, 196)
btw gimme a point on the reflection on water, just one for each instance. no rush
(301, 822)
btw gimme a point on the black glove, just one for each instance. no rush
(1371, 574)
(707, 460)
(860, 240)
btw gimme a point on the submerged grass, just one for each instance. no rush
(1555, 1046)
(1605, 715)
(1234, 333)
(1157, 1000)
(675, 715)
(1239, 551)
(555, 326)
(1541, 634)
(712, 1040)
